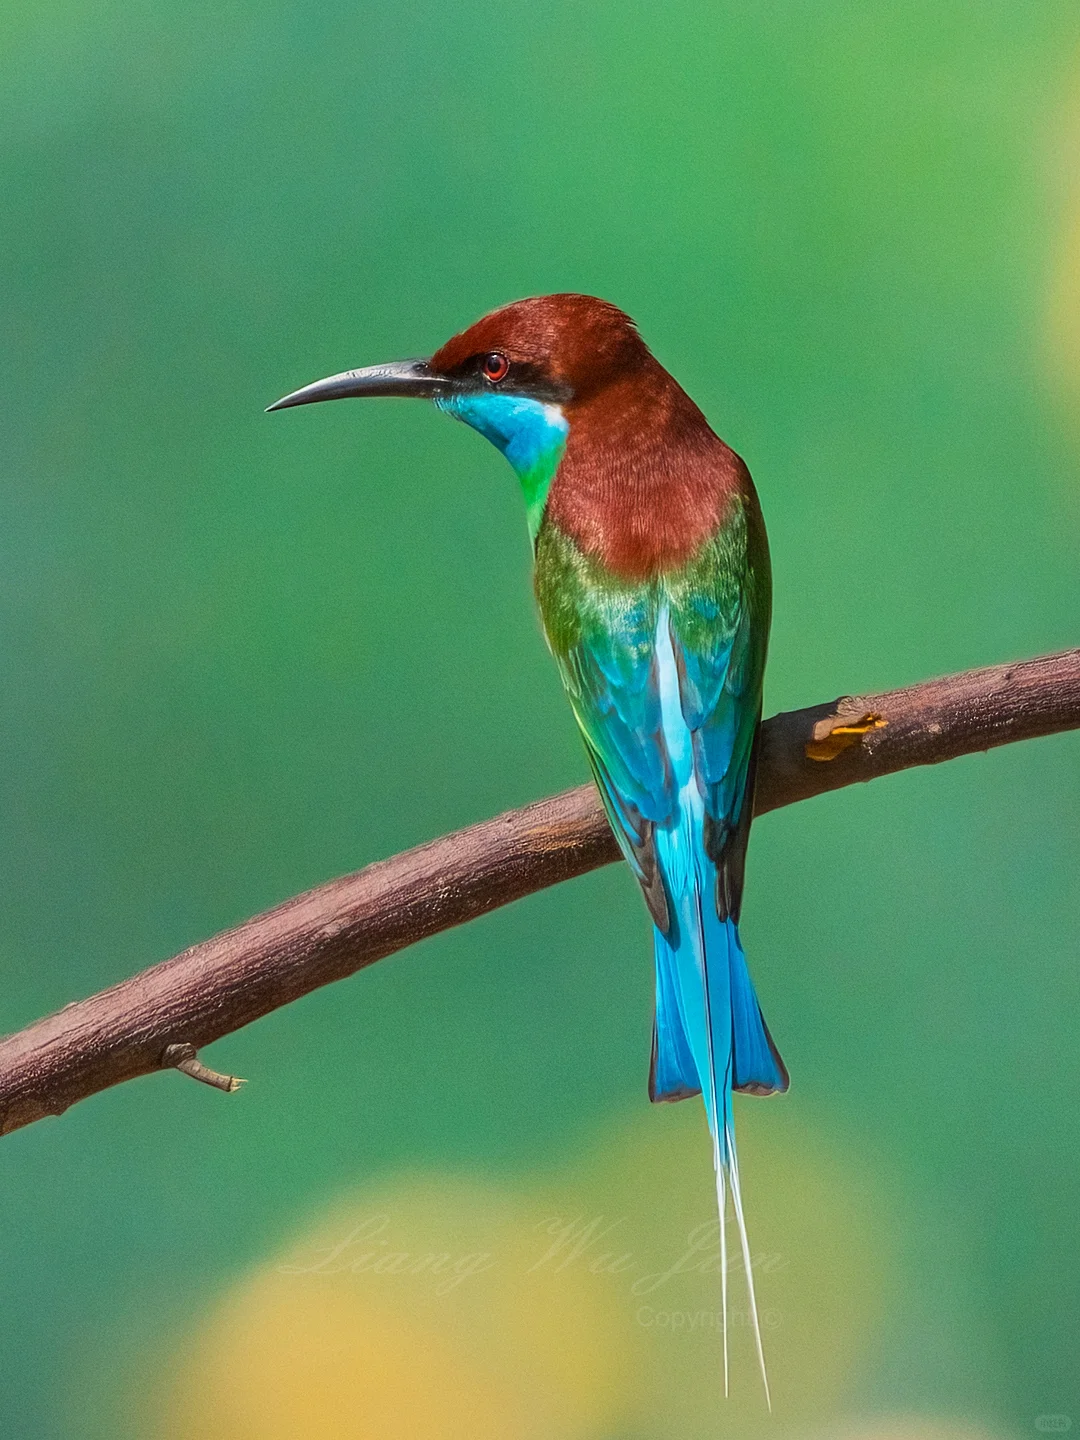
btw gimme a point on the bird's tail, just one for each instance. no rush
(710, 1037)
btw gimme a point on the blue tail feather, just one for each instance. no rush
(674, 1075)
(756, 1064)
(741, 1045)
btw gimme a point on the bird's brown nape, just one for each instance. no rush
(644, 482)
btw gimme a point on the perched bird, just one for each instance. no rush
(653, 583)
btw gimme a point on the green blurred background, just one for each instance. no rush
(242, 654)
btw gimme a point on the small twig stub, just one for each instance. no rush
(185, 1059)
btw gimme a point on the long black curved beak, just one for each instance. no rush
(401, 377)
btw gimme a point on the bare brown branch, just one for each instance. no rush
(226, 982)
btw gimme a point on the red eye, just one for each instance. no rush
(496, 368)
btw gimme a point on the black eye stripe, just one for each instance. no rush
(525, 377)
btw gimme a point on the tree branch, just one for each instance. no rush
(224, 983)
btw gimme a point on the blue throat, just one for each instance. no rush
(531, 434)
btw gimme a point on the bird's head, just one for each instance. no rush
(519, 376)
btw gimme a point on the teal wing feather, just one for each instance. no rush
(602, 634)
(610, 678)
(719, 616)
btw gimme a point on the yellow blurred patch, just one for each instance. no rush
(279, 1361)
(579, 1304)
(1062, 327)
(412, 1311)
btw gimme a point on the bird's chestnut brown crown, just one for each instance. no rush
(552, 347)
